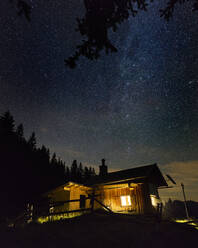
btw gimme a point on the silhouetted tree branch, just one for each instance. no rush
(100, 16)
(23, 8)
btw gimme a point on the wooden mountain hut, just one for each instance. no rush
(132, 190)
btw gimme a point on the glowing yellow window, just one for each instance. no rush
(125, 200)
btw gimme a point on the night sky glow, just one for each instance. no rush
(134, 107)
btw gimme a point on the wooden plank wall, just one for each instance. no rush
(75, 193)
(72, 193)
(112, 198)
(137, 196)
(146, 198)
(60, 195)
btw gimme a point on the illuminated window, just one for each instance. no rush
(125, 201)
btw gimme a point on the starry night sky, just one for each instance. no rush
(134, 107)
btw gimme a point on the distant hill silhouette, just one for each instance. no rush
(176, 209)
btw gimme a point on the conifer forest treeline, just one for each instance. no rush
(27, 171)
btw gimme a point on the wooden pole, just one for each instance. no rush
(187, 215)
(92, 200)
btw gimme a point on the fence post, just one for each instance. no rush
(186, 209)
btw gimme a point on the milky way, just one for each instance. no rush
(134, 107)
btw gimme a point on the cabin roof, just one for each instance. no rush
(137, 174)
(67, 185)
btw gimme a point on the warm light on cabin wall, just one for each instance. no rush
(154, 200)
(125, 200)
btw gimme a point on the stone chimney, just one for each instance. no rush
(103, 169)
